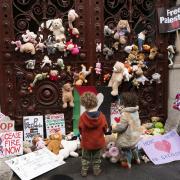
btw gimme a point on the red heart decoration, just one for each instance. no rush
(163, 145)
(117, 119)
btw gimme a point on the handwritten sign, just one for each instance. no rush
(11, 143)
(6, 125)
(163, 149)
(54, 123)
(32, 126)
(34, 164)
(115, 114)
(1, 116)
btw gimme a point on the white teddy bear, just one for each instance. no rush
(58, 30)
(69, 149)
(72, 15)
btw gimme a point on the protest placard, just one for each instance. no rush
(115, 114)
(169, 19)
(6, 125)
(163, 148)
(54, 123)
(34, 164)
(32, 125)
(11, 143)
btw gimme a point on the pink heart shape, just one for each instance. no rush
(163, 145)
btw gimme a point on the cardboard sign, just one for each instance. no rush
(6, 126)
(32, 126)
(169, 19)
(115, 114)
(34, 164)
(1, 116)
(11, 143)
(54, 123)
(163, 149)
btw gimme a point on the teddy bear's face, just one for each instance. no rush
(122, 24)
(53, 72)
(55, 136)
(118, 67)
(67, 87)
(57, 23)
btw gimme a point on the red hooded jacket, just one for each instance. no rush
(92, 131)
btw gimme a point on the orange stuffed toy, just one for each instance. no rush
(54, 142)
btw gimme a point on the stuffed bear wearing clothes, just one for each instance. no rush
(116, 78)
(67, 96)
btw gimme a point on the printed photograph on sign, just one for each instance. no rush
(115, 113)
(32, 125)
(54, 123)
(11, 143)
(34, 164)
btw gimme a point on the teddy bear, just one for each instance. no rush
(122, 30)
(116, 78)
(53, 75)
(72, 16)
(29, 37)
(69, 148)
(54, 142)
(24, 48)
(58, 30)
(67, 96)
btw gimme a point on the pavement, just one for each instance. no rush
(5, 172)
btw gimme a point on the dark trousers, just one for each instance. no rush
(91, 156)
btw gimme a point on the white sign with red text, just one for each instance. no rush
(6, 125)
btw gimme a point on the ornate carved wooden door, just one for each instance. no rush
(19, 15)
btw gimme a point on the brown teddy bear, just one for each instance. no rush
(54, 142)
(67, 96)
(116, 78)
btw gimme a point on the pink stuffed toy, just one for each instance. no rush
(98, 68)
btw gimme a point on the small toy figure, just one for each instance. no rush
(171, 53)
(98, 47)
(46, 61)
(30, 64)
(141, 39)
(72, 16)
(98, 68)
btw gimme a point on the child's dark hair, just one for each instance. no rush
(129, 99)
(89, 100)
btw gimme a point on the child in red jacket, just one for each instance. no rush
(92, 126)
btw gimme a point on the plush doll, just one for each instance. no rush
(122, 30)
(141, 39)
(30, 64)
(58, 30)
(146, 47)
(38, 142)
(60, 63)
(54, 142)
(116, 78)
(46, 61)
(27, 147)
(72, 16)
(171, 53)
(107, 52)
(112, 152)
(108, 31)
(39, 77)
(60, 46)
(98, 68)
(51, 46)
(24, 48)
(53, 75)
(81, 76)
(75, 50)
(156, 77)
(74, 32)
(153, 53)
(29, 37)
(67, 96)
(69, 148)
(98, 47)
